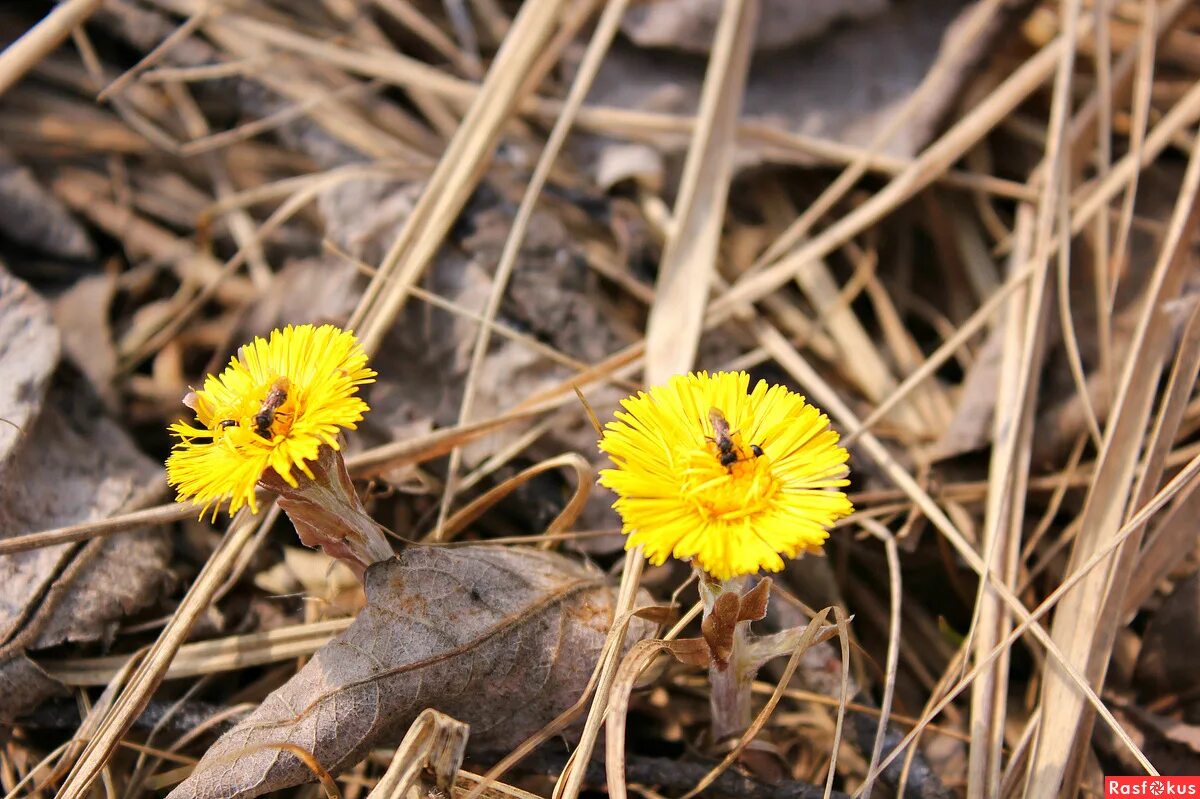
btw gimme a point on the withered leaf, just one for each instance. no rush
(503, 639)
(32, 216)
(69, 464)
(845, 85)
(29, 347)
(81, 313)
(691, 25)
(1167, 662)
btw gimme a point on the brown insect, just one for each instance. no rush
(727, 452)
(266, 414)
(224, 423)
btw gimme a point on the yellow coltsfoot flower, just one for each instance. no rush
(733, 479)
(270, 412)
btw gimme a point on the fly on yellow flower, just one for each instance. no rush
(273, 407)
(733, 479)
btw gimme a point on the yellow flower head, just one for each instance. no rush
(731, 478)
(273, 407)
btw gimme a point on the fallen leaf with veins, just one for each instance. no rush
(501, 638)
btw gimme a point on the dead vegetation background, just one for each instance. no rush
(967, 230)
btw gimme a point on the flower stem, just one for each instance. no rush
(730, 678)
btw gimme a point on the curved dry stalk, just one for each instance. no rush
(843, 627)
(639, 658)
(433, 747)
(584, 477)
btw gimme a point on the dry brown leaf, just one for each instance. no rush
(1171, 646)
(503, 639)
(71, 464)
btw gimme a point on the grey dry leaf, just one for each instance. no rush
(29, 348)
(690, 25)
(32, 216)
(844, 85)
(69, 464)
(501, 638)
(81, 314)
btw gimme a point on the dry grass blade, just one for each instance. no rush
(570, 781)
(153, 667)
(456, 175)
(686, 271)
(1013, 426)
(208, 657)
(567, 716)
(161, 514)
(981, 17)
(1183, 114)
(1186, 477)
(934, 161)
(180, 34)
(945, 351)
(690, 256)
(602, 39)
(806, 376)
(1143, 85)
(1085, 638)
(1161, 552)
(36, 43)
(893, 652)
(639, 658)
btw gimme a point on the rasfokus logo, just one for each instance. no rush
(1151, 786)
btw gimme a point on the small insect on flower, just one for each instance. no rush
(733, 479)
(273, 407)
(728, 453)
(266, 414)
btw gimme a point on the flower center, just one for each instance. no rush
(728, 490)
